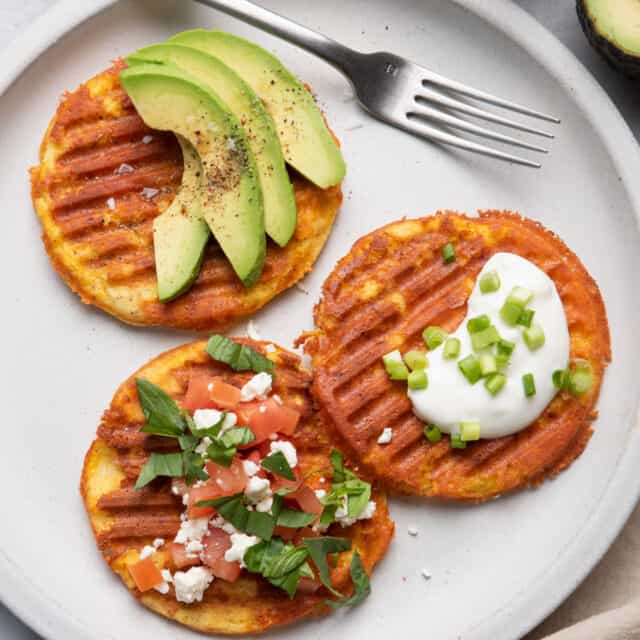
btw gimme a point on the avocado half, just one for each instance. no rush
(613, 30)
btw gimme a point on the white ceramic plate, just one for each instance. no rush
(497, 569)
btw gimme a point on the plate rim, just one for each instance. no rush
(34, 608)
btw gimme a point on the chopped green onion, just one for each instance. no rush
(510, 313)
(560, 378)
(470, 367)
(394, 365)
(451, 348)
(529, 385)
(488, 365)
(495, 383)
(490, 282)
(434, 336)
(418, 380)
(505, 347)
(448, 252)
(580, 379)
(520, 296)
(457, 442)
(485, 338)
(432, 433)
(469, 431)
(416, 359)
(502, 361)
(478, 324)
(533, 337)
(526, 317)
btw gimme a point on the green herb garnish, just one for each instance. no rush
(160, 464)
(238, 356)
(277, 463)
(162, 414)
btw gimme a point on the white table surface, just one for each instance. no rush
(559, 16)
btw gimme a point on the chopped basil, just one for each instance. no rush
(234, 510)
(223, 449)
(188, 443)
(212, 431)
(361, 585)
(162, 414)
(238, 356)
(289, 560)
(277, 463)
(295, 519)
(345, 485)
(337, 462)
(260, 524)
(193, 467)
(319, 549)
(160, 464)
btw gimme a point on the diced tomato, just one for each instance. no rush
(223, 395)
(308, 532)
(286, 533)
(179, 556)
(207, 491)
(145, 574)
(308, 501)
(307, 585)
(278, 482)
(215, 543)
(269, 418)
(230, 479)
(197, 396)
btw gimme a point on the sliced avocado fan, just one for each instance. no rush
(180, 233)
(169, 99)
(241, 100)
(307, 143)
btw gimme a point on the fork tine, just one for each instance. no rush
(439, 116)
(435, 96)
(431, 133)
(437, 79)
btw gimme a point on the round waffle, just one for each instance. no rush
(394, 283)
(103, 176)
(125, 519)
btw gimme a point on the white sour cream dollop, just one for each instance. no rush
(450, 399)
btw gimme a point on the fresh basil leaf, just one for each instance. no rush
(285, 492)
(260, 524)
(306, 571)
(231, 508)
(277, 463)
(212, 432)
(359, 493)
(288, 582)
(193, 467)
(276, 506)
(188, 443)
(238, 356)
(289, 560)
(237, 437)
(337, 462)
(261, 555)
(319, 548)
(162, 415)
(160, 464)
(328, 515)
(295, 519)
(220, 454)
(361, 585)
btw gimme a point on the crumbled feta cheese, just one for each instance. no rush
(162, 588)
(265, 504)
(166, 575)
(149, 192)
(191, 585)
(287, 449)
(147, 139)
(426, 574)
(270, 348)
(257, 489)
(320, 493)
(240, 542)
(277, 398)
(368, 511)
(250, 467)
(323, 480)
(111, 203)
(203, 445)
(147, 551)
(124, 168)
(205, 418)
(412, 531)
(185, 499)
(230, 420)
(220, 523)
(252, 331)
(193, 548)
(258, 387)
(300, 287)
(386, 436)
(158, 542)
(342, 513)
(192, 530)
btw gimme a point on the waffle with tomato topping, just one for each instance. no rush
(391, 285)
(125, 519)
(102, 179)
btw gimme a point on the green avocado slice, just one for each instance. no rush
(307, 143)
(169, 99)
(279, 201)
(180, 233)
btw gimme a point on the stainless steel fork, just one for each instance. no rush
(399, 91)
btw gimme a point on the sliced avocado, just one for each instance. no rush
(613, 29)
(279, 202)
(306, 141)
(169, 99)
(180, 233)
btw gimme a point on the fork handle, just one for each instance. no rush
(333, 52)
